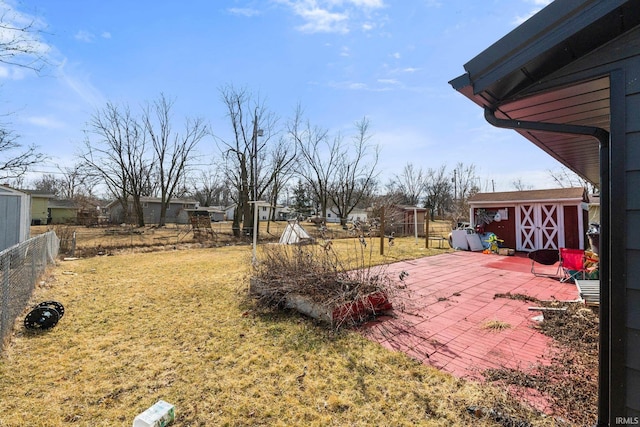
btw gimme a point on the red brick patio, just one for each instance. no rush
(451, 297)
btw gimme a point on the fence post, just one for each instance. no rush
(382, 230)
(73, 244)
(4, 313)
(34, 267)
(427, 214)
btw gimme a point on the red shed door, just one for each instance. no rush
(539, 226)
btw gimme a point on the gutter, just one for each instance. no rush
(603, 137)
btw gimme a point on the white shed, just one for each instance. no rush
(15, 217)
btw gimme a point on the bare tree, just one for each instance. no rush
(253, 126)
(411, 184)
(320, 156)
(282, 160)
(210, 188)
(119, 156)
(15, 160)
(355, 175)
(566, 178)
(173, 151)
(465, 185)
(520, 185)
(438, 190)
(20, 46)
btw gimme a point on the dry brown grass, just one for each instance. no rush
(495, 325)
(118, 238)
(177, 326)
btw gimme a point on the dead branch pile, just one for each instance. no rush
(571, 380)
(317, 273)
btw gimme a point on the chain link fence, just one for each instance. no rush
(20, 267)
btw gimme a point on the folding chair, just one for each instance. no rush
(572, 263)
(545, 257)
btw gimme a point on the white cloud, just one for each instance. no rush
(9, 72)
(371, 4)
(404, 70)
(333, 16)
(80, 85)
(243, 11)
(345, 51)
(84, 36)
(89, 37)
(396, 55)
(389, 81)
(322, 21)
(383, 85)
(45, 122)
(357, 86)
(539, 5)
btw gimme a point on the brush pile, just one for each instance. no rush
(316, 273)
(570, 382)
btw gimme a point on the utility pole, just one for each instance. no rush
(455, 184)
(254, 170)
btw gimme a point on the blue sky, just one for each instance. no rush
(342, 60)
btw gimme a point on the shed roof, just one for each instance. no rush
(411, 208)
(62, 204)
(556, 194)
(5, 189)
(42, 194)
(146, 199)
(508, 77)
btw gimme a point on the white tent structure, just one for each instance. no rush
(294, 234)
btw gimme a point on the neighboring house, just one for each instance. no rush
(567, 80)
(264, 211)
(62, 212)
(403, 220)
(356, 214)
(229, 211)
(534, 219)
(16, 217)
(176, 211)
(284, 213)
(39, 206)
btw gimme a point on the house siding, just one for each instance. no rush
(63, 215)
(505, 229)
(621, 57)
(616, 65)
(39, 210)
(176, 212)
(632, 244)
(631, 157)
(14, 228)
(571, 228)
